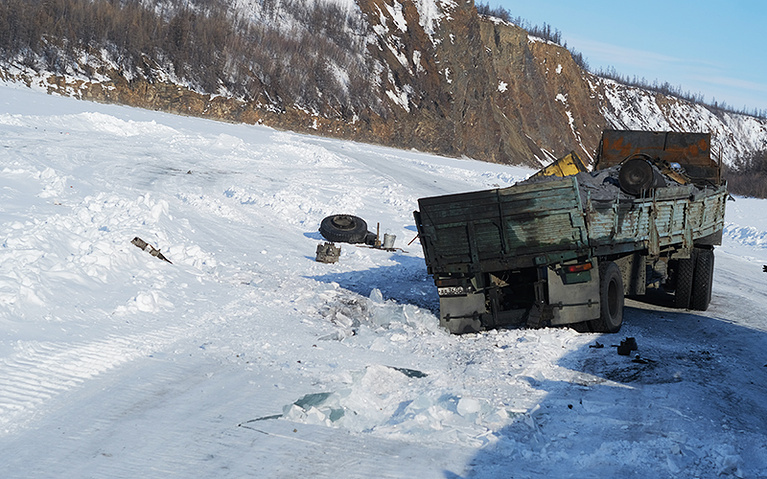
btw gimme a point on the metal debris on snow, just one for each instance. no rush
(149, 249)
(328, 253)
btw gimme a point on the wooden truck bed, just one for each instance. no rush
(530, 224)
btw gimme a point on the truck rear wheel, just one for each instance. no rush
(685, 270)
(610, 299)
(702, 280)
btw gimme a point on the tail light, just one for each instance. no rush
(578, 268)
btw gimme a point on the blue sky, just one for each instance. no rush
(717, 48)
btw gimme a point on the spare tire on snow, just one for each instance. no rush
(344, 229)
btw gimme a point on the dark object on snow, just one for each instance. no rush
(626, 346)
(640, 360)
(764, 268)
(597, 345)
(149, 249)
(344, 229)
(328, 253)
(624, 350)
(411, 373)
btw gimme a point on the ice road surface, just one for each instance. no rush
(246, 358)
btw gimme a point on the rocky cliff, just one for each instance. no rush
(447, 80)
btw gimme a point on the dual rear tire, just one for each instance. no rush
(694, 280)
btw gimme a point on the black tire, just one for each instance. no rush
(610, 299)
(702, 280)
(685, 270)
(636, 176)
(344, 229)
(370, 238)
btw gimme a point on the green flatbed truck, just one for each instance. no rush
(566, 250)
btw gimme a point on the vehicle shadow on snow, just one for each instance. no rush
(688, 402)
(406, 282)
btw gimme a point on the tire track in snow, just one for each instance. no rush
(143, 395)
(43, 371)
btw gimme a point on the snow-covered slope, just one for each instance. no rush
(246, 358)
(733, 136)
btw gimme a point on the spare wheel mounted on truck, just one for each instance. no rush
(566, 250)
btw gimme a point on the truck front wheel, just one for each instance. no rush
(610, 299)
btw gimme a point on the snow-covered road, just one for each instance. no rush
(246, 358)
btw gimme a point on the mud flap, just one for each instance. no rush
(460, 314)
(573, 303)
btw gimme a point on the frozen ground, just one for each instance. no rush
(246, 358)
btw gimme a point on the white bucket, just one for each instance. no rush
(388, 242)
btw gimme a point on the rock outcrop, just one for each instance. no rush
(450, 82)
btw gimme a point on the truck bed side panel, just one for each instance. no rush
(673, 217)
(510, 228)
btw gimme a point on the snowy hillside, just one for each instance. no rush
(246, 358)
(733, 135)
(433, 75)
